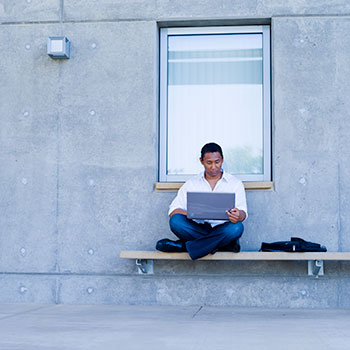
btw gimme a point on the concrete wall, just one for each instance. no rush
(78, 152)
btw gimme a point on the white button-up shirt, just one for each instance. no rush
(228, 183)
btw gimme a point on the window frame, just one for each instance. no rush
(163, 95)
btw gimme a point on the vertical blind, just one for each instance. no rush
(215, 94)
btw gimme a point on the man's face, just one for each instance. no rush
(212, 162)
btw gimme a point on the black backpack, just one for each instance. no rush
(294, 245)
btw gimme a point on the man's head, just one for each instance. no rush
(211, 159)
(211, 148)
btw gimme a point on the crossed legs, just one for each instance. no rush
(202, 239)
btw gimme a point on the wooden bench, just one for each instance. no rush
(144, 259)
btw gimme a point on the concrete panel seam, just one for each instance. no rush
(199, 19)
(58, 286)
(26, 312)
(255, 275)
(340, 237)
(321, 15)
(61, 11)
(29, 22)
(111, 20)
(153, 19)
(176, 276)
(196, 313)
(338, 300)
(80, 21)
(63, 274)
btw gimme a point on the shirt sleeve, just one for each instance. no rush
(180, 201)
(241, 202)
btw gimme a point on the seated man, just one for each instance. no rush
(201, 237)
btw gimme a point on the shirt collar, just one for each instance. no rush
(224, 175)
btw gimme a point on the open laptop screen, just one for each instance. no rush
(209, 205)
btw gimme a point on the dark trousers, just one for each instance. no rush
(202, 239)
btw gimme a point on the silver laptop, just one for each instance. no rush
(209, 205)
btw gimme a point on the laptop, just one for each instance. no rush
(209, 205)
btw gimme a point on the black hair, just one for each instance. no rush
(211, 148)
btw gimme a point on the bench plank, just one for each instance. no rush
(156, 255)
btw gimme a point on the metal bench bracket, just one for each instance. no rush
(315, 268)
(145, 266)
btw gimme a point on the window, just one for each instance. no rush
(215, 87)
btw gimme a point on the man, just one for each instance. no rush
(199, 238)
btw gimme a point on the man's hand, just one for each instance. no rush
(178, 211)
(235, 215)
